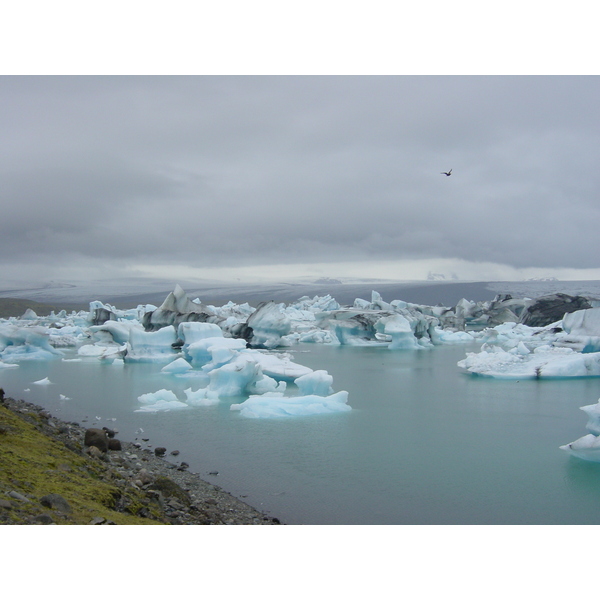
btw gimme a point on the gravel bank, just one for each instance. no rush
(140, 485)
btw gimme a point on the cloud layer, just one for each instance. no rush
(228, 171)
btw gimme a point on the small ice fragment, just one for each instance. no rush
(44, 381)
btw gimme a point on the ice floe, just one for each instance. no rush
(588, 446)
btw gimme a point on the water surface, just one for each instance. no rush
(424, 443)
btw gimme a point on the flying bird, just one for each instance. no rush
(446, 173)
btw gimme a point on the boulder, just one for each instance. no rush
(56, 502)
(170, 489)
(96, 437)
(114, 444)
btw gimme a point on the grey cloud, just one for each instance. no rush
(231, 170)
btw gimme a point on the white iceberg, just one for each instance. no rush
(269, 324)
(213, 351)
(543, 362)
(233, 378)
(161, 400)
(276, 405)
(317, 383)
(201, 397)
(26, 343)
(151, 346)
(177, 367)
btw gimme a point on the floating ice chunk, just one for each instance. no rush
(118, 331)
(586, 448)
(179, 365)
(544, 362)
(151, 346)
(276, 405)
(160, 401)
(104, 352)
(443, 336)
(278, 366)
(91, 350)
(214, 351)
(317, 383)
(582, 322)
(29, 315)
(269, 324)
(521, 349)
(265, 384)
(400, 330)
(593, 413)
(4, 365)
(318, 336)
(191, 331)
(44, 381)
(26, 343)
(233, 378)
(201, 397)
(63, 397)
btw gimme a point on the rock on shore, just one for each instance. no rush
(49, 475)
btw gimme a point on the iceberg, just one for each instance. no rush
(593, 413)
(156, 346)
(269, 324)
(588, 446)
(177, 367)
(317, 383)
(160, 401)
(278, 366)
(234, 377)
(118, 331)
(26, 343)
(543, 362)
(276, 405)
(176, 308)
(201, 397)
(192, 331)
(581, 330)
(212, 352)
(399, 329)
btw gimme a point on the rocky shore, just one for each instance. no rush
(57, 472)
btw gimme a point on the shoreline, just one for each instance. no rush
(42, 457)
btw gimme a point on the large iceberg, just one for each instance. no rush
(269, 324)
(521, 363)
(176, 308)
(156, 346)
(278, 405)
(567, 348)
(26, 343)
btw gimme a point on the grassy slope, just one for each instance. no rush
(34, 465)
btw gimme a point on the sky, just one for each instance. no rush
(252, 176)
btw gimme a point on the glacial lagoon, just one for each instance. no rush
(424, 443)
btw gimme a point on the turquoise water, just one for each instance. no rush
(424, 443)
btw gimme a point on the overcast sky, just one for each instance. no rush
(240, 177)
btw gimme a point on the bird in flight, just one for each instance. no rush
(446, 173)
